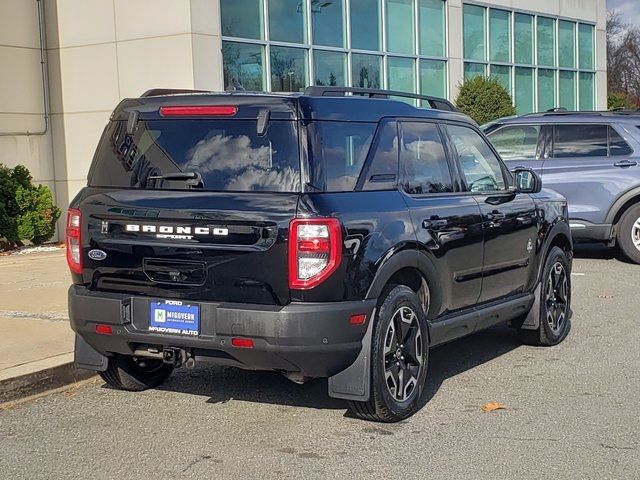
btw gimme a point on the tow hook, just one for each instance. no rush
(172, 356)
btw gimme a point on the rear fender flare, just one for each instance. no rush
(619, 204)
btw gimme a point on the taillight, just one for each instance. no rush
(199, 110)
(315, 251)
(73, 240)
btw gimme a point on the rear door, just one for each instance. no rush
(225, 241)
(447, 222)
(509, 219)
(589, 164)
(519, 145)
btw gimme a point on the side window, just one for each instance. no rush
(481, 168)
(517, 142)
(423, 159)
(580, 141)
(382, 173)
(617, 145)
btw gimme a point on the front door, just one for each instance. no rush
(447, 222)
(509, 219)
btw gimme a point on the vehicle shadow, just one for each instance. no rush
(224, 384)
(598, 251)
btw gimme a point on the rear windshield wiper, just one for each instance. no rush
(191, 179)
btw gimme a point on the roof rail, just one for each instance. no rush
(600, 113)
(434, 102)
(156, 92)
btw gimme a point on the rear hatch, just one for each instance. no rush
(192, 202)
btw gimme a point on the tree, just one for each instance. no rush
(623, 61)
(484, 99)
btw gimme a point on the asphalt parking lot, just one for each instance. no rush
(571, 413)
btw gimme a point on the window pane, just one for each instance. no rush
(499, 35)
(568, 90)
(585, 46)
(523, 38)
(482, 169)
(366, 71)
(243, 66)
(503, 74)
(517, 142)
(433, 78)
(329, 68)
(473, 24)
(242, 18)
(400, 35)
(524, 90)
(617, 145)
(365, 25)
(338, 153)
(431, 17)
(586, 91)
(546, 41)
(546, 89)
(566, 44)
(423, 160)
(580, 141)
(287, 21)
(401, 76)
(473, 70)
(383, 171)
(327, 23)
(288, 69)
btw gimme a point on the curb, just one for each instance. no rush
(39, 377)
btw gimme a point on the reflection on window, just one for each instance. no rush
(580, 141)
(566, 44)
(473, 21)
(568, 90)
(524, 90)
(329, 68)
(585, 46)
(432, 27)
(365, 25)
(401, 76)
(499, 35)
(481, 168)
(474, 69)
(546, 89)
(287, 20)
(503, 74)
(617, 144)
(400, 20)
(518, 142)
(546, 35)
(366, 71)
(327, 22)
(243, 66)
(288, 69)
(423, 160)
(433, 78)
(587, 92)
(242, 18)
(338, 152)
(383, 171)
(523, 37)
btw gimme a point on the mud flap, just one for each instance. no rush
(532, 320)
(87, 358)
(354, 383)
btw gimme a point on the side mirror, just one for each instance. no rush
(527, 181)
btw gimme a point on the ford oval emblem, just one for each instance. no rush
(97, 255)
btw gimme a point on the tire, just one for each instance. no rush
(628, 234)
(134, 375)
(555, 302)
(399, 318)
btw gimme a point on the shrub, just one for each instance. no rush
(484, 99)
(27, 212)
(620, 100)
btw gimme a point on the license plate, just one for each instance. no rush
(174, 317)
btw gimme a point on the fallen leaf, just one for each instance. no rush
(605, 296)
(491, 406)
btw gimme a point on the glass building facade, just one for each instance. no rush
(286, 45)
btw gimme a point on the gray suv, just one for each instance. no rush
(589, 157)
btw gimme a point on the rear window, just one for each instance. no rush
(337, 153)
(580, 141)
(229, 154)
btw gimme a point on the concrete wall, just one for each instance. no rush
(22, 100)
(594, 11)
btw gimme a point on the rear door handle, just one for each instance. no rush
(496, 216)
(435, 223)
(625, 163)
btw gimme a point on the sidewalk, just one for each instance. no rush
(36, 344)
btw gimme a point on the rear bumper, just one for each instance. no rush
(312, 339)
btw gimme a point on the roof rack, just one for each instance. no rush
(602, 113)
(156, 92)
(434, 102)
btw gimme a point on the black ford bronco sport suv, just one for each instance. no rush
(337, 233)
